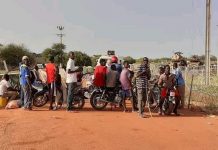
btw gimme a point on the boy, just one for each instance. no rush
(58, 86)
(50, 71)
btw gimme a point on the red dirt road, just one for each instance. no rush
(105, 130)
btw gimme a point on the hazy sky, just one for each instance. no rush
(153, 28)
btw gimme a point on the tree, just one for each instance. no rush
(82, 59)
(48, 52)
(94, 59)
(164, 60)
(130, 59)
(212, 58)
(13, 54)
(57, 51)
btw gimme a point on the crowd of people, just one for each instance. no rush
(109, 74)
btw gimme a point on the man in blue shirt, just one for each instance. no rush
(25, 82)
(21, 102)
(180, 83)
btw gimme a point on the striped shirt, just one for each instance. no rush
(142, 81)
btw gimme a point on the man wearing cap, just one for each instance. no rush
(25, 82)
(143, 74)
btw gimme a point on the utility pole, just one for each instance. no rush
(61, 28)
(217, 60)
(207, 42)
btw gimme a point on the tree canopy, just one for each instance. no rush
(94, 59)
(13, 54)
(82, 59)
(130, 59)
(57, 51)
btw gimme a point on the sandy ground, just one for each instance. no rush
(105, 130)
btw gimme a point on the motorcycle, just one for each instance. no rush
(41, 97)
(101, 97)
(169, 101)
(153, 96)
(79, 96)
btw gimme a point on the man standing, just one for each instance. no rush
(21, 102)
(25, 82)
(71, 79)
(142, 76)
(125, 80)
(180, 82)
(6, 90)
(51, 71)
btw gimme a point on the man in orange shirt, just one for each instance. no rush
(50, 71)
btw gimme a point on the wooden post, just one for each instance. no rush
(5, 65)
(190, 92)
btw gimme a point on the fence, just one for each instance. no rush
(197, 92)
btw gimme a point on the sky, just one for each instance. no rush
(137, 28)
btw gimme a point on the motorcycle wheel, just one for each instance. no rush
(78, 103)
(40, 100)
(170, 108)
(96, 103)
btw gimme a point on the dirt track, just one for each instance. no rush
(109, 130)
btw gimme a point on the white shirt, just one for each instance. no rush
(4, 85)
(71, 77)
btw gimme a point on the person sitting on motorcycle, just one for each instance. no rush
(100, 74)
(114, 60)
(111, 79)
(167, 81)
